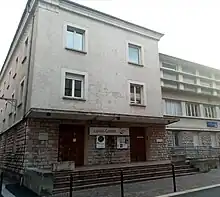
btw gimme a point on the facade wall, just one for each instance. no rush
(157, 143)
(12, 150)
(105, 62)
(109, 155)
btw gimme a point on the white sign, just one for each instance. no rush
(109, 131)
(100, 142)
(122, 142)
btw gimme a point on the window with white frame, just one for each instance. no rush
(134, 54)
(74, 85)
(209, 111)
(12, 103)
(75, 38)
(136, 94)
(192, 109)
(172, 107)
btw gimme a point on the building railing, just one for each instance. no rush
(195, 151)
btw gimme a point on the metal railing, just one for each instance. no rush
(71, 184)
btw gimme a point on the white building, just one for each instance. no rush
(191, 92)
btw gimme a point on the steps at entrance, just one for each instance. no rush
(92, 178)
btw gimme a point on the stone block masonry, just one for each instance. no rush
(157, 143)
(109, 155)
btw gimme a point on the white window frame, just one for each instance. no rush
(192, 109)
(143, 91)
(141, 53)
(84, 84)
(85, 37)
(196, 140)
(12, 103)
(211, 113)
(214, 140)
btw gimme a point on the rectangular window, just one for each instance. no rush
(74, 85)
(136, 94)
(209, 111)
(12, 103)
(21, 92)
(192, 109)
(16, 67)
(196, 139)
(214, 140)
(25, 51)
(176, 139)
(9, 79)
(75, 38)
(134, 54)
(169, 66)
(173, 108)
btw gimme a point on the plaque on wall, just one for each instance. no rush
(108, 131)
(122, 142)
(100, 142)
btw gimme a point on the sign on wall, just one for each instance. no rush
(212, 124)
(100, 142)
(108, 131)
(122, 142)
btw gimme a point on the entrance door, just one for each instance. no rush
(137, 140)
(71, 144)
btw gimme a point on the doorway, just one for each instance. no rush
(71, 144)
(137, 144)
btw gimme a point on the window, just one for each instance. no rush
(74, 85)
(12, 103)
(75, 39)
(25, 50)
(196, 139)
(214, 140)
(192, 109)
(209, 111)
(21, 92)
(134, 54)
(136, 94)
(9, 79)
(176, 139)
(16, 67)
(173, 108)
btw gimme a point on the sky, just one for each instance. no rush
(191, 27)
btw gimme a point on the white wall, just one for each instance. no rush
(105, 63)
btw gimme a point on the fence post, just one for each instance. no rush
(1, 182)
(71, 185)
(122, 184)
(174, 178)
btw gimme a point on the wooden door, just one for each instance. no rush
(71, 144)
(137, 144)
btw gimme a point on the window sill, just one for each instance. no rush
(138, 105)
(135, 64)
(19, 105)
(69, 49)
(73, 98)
(14, 75)
(24, 59)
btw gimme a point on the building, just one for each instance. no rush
(191, 92)
(73, 92)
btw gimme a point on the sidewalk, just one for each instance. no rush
(5, 192)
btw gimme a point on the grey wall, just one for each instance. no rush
(105, 63)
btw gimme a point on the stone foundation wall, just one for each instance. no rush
(109, 155)
(157, 143)
(42, 143)
(12, 148)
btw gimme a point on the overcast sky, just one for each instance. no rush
(191, 27)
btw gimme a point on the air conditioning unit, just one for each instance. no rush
(100, 141)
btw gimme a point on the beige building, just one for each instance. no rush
(191, 92)
(71, 91)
